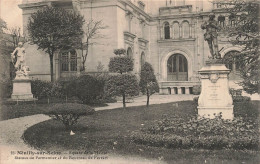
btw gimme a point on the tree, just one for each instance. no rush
(54, 29)
(16, 35)
(244, 32)
(148, 82)
(123, 84)
(91, 33)
(2, 26)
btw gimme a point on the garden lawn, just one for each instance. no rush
(109, 132)
(10, 110)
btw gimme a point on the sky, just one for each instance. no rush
(11, 13)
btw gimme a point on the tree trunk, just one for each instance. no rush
(51, 67)
(124, 106)
(148, 98)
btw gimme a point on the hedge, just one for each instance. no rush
(69, 113)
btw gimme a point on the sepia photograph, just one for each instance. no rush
(129, 82)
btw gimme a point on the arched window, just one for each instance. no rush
(177, 68)
(232, 60)
(69, 61)
(176, 30)
(232, 20)
(221, 20)
(129, 53)
(186, 30)
(166, 30)
(142, 58)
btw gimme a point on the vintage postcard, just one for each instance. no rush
(129, 81)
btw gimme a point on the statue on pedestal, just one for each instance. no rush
(211, 34)
(18, 59)
(214, 98)
(21, 83)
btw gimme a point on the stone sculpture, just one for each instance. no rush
(211, 34)
(18, 59)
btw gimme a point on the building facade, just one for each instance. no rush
(166, 34)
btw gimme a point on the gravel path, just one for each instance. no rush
(11, 142)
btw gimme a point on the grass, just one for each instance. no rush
(10, 110)
(109, 131)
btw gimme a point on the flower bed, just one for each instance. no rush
(200, 133)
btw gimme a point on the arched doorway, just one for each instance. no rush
(129, 53)
(177, 68)
(232, 62)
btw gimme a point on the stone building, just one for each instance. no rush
(165, 33)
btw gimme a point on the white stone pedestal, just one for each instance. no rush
(215, 97)
(22, 90)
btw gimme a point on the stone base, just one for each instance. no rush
(22, 90)
(208, 112)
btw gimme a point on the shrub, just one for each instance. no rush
(41, 89)
(46, 89)
(69, 113)
(196, 89)
(121, 64)
(68, 87)
(88, 88)
(241, 99)
(148, 82)
(200, 133)
(196, 99)
(235, 92)
(6, 88)
(246, 109)
(122, 85)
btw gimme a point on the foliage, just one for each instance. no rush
(69, 113)
(2, 26)
(120, 51)
(200, 132)
(245, 33)
(6, 88)
(54, 29)
(121, 64)
(46, 89)
(41, 89)
(148, 82)
(122, 85)
(246, 109)
(196, 89)
(92, 32)
(235, 92)
(241, 99)
(88, 88)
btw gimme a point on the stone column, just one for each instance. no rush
(180, 31)
(179, 90)
(215, 97)
(190, 31)
(57, 68)
(187, 90)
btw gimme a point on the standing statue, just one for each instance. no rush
(18, 59)
(211, 34)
